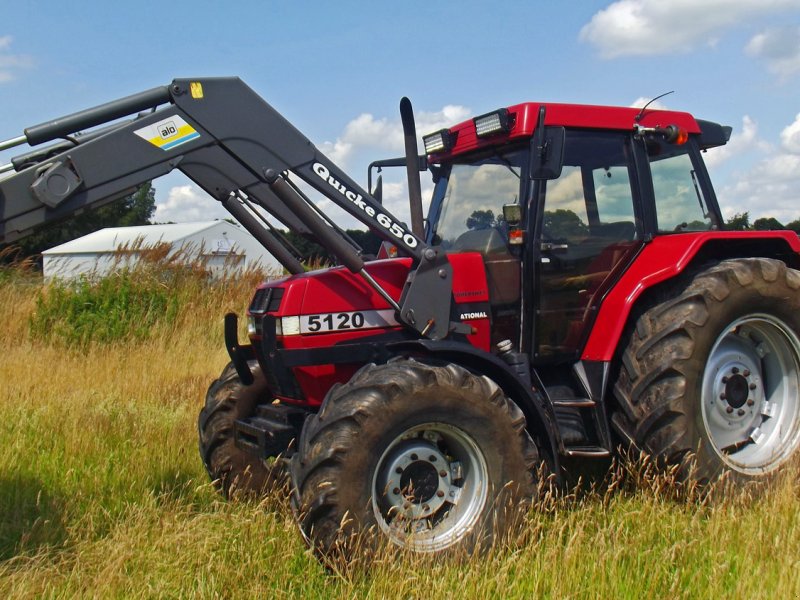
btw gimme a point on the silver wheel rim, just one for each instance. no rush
(750, 405)
(430, 487)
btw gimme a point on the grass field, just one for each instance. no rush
(102, 493)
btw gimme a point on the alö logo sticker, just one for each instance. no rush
(168, 130)
(169, 133)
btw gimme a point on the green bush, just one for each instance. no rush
(124, 306)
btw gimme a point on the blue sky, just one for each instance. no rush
(338, 69)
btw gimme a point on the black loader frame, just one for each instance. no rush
(238, 149)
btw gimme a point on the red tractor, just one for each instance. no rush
(571, 291)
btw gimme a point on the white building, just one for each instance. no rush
(218, 244)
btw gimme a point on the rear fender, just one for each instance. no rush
(667, 257)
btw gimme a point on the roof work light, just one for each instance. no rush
(441, 141)
(492, 123)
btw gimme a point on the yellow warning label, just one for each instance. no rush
(196, 88)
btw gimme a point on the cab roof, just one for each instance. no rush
(523, 118)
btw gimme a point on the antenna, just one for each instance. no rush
(641, 112)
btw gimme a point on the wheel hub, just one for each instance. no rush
(430, 487)
(736, 391)
(419, 482)
(417, 479)
(750, 394)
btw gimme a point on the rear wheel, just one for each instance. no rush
(233, 469)
(430, 458)
(713, 373)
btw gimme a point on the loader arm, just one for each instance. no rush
(237, 148)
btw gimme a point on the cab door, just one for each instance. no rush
(588, 230)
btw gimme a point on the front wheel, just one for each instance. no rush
(429, 458)
(231, 468)
(713, 372)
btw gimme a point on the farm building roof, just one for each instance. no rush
(111, 238)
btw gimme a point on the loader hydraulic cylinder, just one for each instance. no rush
(51, 130)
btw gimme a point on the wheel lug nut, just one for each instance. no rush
(440, 493)
(425, 507)
(398, 470)
(740, 412)
(414, 457)
(750, 402)
(722, 396)
(746, 372)
(442, 473)
(752, 386)
(432, 458)
(729, 410)
(725, 379)
(735, 370)
(396, 491)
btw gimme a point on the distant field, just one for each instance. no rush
(102, 492)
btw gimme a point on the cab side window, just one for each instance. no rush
(680, 205)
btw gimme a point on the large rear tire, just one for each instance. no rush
(231, 468)
(710, 378)
(429, 458)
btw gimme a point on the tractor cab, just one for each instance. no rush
(558, 209)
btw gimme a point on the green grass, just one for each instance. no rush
(102, 494)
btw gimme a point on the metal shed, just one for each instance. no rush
(219, 244)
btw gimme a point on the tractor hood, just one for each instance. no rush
(336, 300)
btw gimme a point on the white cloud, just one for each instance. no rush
(187, 203)
(11, 63)
(373, 137)
(651, 104)
(742, 140)
(790, 136)
(651, 27)
(779, 47)
(365, 132)
(770, 187)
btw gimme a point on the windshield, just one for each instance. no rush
(470, 198)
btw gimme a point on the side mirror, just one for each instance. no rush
(547, 152)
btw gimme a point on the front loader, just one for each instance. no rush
(570, 292)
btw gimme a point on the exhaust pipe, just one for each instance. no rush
(412, 167)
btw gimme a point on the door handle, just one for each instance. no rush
(552, 247)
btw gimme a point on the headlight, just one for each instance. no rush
(288, 326)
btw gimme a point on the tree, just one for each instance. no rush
(563, 223)
(794, 225)
(767, 224)
(739, 222)
(136, 209)
(481, 219)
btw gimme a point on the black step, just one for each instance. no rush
(270, 431)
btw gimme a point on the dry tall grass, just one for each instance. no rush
(102, 494)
